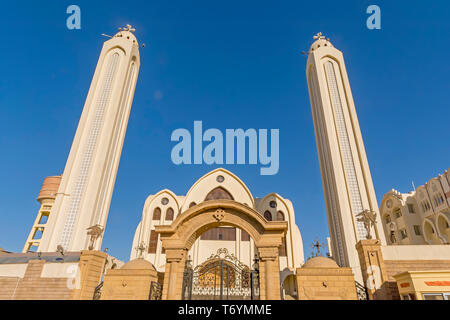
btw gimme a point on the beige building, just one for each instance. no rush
(346, 178)
(424, 285)
(164, 207)
(421, 216)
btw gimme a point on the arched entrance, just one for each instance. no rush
(221, 277)
(178, 238)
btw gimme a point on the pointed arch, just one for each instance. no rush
(156, 214)
(268, 215)
(169, 214)
(219, 193)
(280, 215)
(218, 178)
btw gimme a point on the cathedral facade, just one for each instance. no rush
(162, 208)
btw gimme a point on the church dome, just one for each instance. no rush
(139, 263)
(320, 262)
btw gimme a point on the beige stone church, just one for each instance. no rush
(218, 241)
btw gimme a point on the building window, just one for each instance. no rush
(417, 231)
(245, 236)
(393, 239)
(280, 216)
(169, 214)
(191, 204)
(411, 208)
(219, 233)
(397, 213)
(426, 206)
(387, 219)
(219, 193)
(438, 199)
(434, 296)
(153, 242)
(403, 234)
(157, 214)
(268, 216)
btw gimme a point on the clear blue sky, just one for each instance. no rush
(231, 64)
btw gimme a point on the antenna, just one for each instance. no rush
(105, 35)
(414, 187)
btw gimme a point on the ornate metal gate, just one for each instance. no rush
(155, 291)
(221, 277)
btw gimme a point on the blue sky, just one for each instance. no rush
(231, 64)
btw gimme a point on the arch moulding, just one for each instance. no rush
(179, 237)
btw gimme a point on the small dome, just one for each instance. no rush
(139, 263)
(320, 262)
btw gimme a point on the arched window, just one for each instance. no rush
(280, 216)
(268, 216)
(169, 214)
(219, 193)
(157, 214)
(397, 213)
(192, 204)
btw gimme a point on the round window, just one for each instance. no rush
(389, 203)
(164, 201)
(220, 179)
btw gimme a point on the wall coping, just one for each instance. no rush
(416, 252)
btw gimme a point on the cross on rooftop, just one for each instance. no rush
(141, 248)
(128, 28)
(316, 245)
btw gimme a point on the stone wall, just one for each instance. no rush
(326, 284)
(33, 287)
(49, 280)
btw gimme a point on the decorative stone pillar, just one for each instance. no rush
(373, 268)
(91, 266)
(269, 275)
(173, 276)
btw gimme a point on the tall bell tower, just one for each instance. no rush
(347, 183)
(84, 195)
